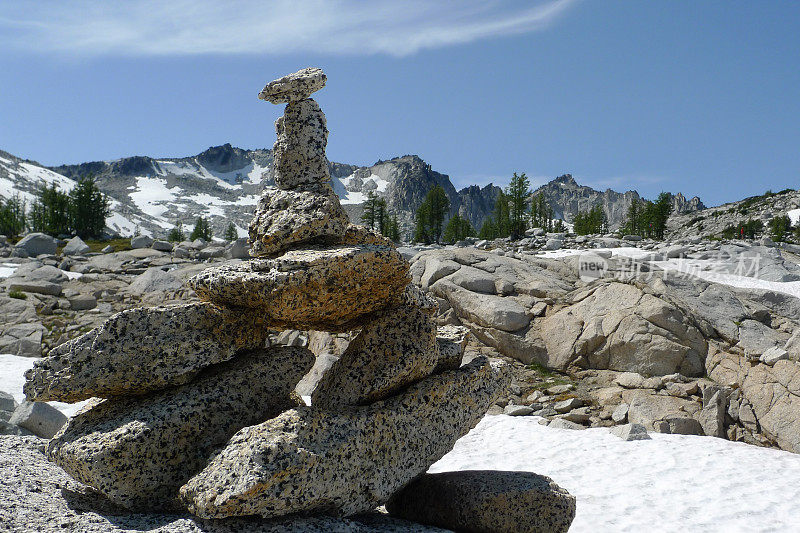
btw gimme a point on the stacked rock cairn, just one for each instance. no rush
(190, 411)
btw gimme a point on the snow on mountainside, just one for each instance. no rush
(223, 184)
(21, 177)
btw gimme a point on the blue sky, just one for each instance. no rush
(698, 97)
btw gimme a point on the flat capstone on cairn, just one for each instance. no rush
(192, 412)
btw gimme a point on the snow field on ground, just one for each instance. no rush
(670, 483)
(701, 268)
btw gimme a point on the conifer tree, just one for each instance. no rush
(88, 208)
(518, 192)
(176, 234)
(393, 228)
(230, 233)
(430, 216)
(457, 229)
(12, 216)
(50, 212)
(201, 230)
(368, 216)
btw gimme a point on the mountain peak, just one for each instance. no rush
(224, 158)
(566, 179)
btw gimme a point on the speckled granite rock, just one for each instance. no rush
(310, 460)
(299, 151)
(452, 341)
(293, 87)
(285, 219)
(143, 350)
(36, 496)
(322, 288)
(487, 501)
(395, 349)
(138, 451)
(356, 234)
(416, 297)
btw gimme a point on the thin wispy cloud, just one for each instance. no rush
(339, 27)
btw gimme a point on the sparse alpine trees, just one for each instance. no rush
(457, 229)
(376, 215)
(202, 230)
(50, 212)
(430, 216)
(648, 219)
(541, 213)
(780, 227)
(592, 221)
(12, 216)
(176, 234)
(88, 209)
(230, 233)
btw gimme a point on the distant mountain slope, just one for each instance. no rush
(223, 183)
(404, 182)
(714, 220)
(566, 198)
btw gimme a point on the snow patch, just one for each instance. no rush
(7, 269)
(794, 216)
(122, 225)
(703, 269)
(341, 186)
(152, 196)
(669, 483)
(353, 198)
(12, 379)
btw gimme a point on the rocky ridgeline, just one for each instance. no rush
(190, 410)
(714, 220)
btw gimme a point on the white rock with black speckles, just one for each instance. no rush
(138, 451)
(315, 461)
(333, 288)
(357, 234)
(392, 351)
(143, 350)
(293, 87)
(299, 151)
(452, 341)
(285, 219)
(486, 500)
(416, 297)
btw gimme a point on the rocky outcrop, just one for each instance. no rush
(34, 244)
(396, 348)
(567, 198)
(39, 496)
(620, 327)
(143, 350)
(772, 394)
(486, 500)
(327, 289)
(138, 451)
(290, 217)
(294, 87)
(664, 331)
(348, 461)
